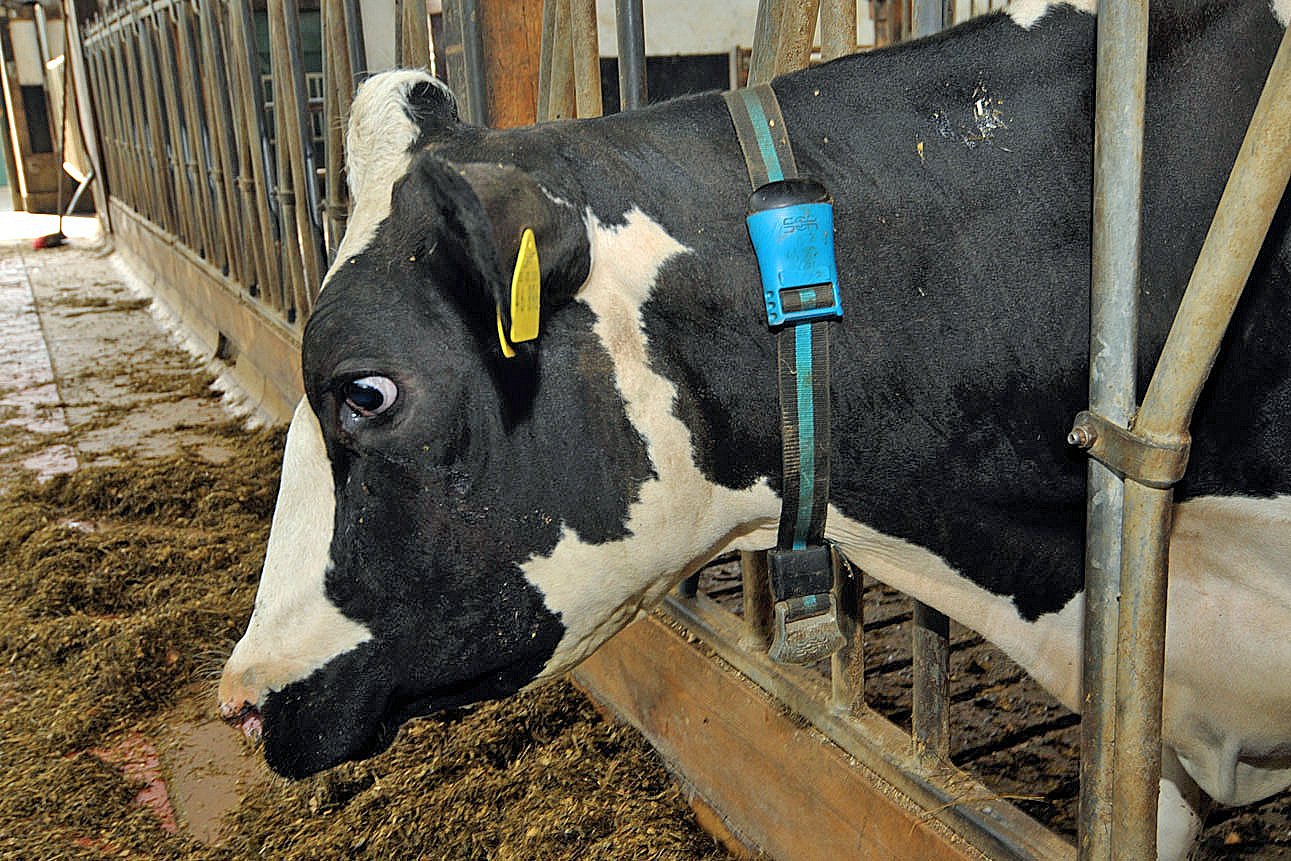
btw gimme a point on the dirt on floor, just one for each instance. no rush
(133, 518)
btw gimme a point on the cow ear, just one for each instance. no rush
(432, 107)
(518, 246)
(539, 243)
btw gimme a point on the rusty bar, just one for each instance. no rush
(837, 28)
(294, 110)
(587, 58)
(1118, 155)
(629, 22)
(254, 147)
(756, 636)
(288, 195)
(561, 101)
(242, 260)
(163, 69)
(1254, 189)
(847, 665)
(414, 35)
(766, 36)
(204, 168)
(546, 56)
(930, 692)
(797, 28)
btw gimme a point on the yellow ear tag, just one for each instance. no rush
(526, 291)
(507, 350)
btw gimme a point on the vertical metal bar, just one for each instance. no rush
(797, 29)
(930, 695)
(929, 17)
(629, 22)
(587, 58)
(354, 35)
(414, 35)
(473, 55)
(241, 258)
(207, 199)
(244, 62)
(757, 601)
(149, 95)
(766, 40)
(1251, 197)
(837, 28)
(847, 665)
(546, 58)
(562, 99)
(1118, 154)
(163, 68)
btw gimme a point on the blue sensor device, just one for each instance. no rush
(791, 223)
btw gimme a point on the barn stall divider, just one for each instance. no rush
(221, 137)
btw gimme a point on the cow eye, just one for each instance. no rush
(370, 396)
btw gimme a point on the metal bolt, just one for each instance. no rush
(1082, 436)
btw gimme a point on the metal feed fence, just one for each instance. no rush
(232, 155)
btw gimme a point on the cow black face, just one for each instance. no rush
(426, 468)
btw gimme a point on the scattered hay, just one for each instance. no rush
(121, 589)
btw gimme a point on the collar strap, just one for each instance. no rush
(790, 222)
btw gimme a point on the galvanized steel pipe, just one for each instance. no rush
(1254, 189)
(630, 24)
(1119, 89)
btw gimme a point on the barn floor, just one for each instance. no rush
(131, 528)
(132, 523)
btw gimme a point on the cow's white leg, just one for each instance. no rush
(1178, 810)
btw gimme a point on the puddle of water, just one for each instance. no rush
(209, 767)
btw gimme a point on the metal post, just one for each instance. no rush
(1236, 234)
(847, 665)
(587, 58)
(837, 28)
(930, 696)
(929, 17)
(630, 24)
(1118, 156)
(473, 55)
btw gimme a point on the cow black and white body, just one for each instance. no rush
(454, 525)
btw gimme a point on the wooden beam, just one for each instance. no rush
(512, 34)
(779, 786)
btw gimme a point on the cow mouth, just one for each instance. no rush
(249, 720)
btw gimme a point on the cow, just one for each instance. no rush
(456, 523)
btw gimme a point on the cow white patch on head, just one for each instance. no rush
(294, 629)
(1026, 13)
(1282, 11)
(680, 519)
(378, 151)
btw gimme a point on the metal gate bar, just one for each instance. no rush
(1119, 90)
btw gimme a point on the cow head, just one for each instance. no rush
(454, 524)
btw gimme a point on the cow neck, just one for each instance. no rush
(791, 222)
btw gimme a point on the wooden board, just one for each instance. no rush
(782, 788)
(265, 352)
